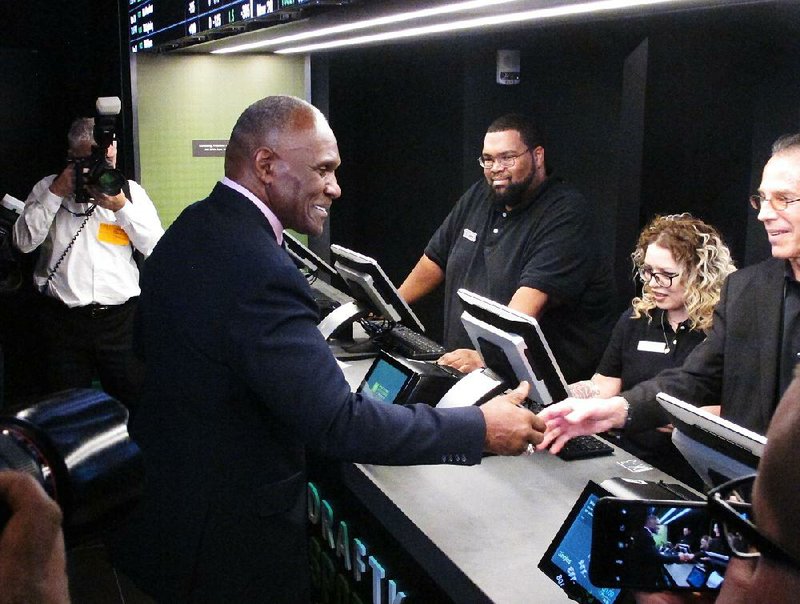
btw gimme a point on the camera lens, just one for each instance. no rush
(111, 181)
(76, 444)
(13, 456)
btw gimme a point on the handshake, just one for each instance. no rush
(512, 429)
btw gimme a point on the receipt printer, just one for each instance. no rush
(395, 379)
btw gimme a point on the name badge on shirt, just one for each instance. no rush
(113, 234)
(470, 235)
(646, 346)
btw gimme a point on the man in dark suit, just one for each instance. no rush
(745, 364)
(240, 381)
(647, 561)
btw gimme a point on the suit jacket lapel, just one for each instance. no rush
(768, 306)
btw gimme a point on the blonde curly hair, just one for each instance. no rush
(704, 262)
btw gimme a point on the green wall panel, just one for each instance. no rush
(198, 97)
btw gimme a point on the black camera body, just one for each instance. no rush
(95, 171)
(75, 443)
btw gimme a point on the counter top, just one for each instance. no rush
(480, 531)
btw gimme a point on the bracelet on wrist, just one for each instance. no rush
(628, 414)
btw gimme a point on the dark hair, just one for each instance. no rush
(262, 123)
(531, 134)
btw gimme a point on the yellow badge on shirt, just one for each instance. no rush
(113, 234)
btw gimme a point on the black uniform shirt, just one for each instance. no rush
(639, 349)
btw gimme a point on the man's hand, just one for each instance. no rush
(64, 184)
(464, 360)
(510, 428)
(32, 558)
(112, 203)
(575, 417)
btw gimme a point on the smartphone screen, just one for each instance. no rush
(654, 545)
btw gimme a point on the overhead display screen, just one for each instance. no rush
(155, 24)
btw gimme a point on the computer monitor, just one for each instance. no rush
(716, 448)
(370, 286)
(513, 346)
(305, 259)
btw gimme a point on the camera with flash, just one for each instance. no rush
(95, 171)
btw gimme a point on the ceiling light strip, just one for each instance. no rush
(522, 16)
(367, 23)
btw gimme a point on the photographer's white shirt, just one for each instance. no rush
(99, 267)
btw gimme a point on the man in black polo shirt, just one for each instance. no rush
(527, 239)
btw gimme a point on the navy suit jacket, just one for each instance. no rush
(737, 364)
(239, 383)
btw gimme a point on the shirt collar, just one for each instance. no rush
(277, 227)
(662, 318)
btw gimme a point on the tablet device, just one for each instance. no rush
(566, 561)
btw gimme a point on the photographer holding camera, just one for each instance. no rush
(87, 222)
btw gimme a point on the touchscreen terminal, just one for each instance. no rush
(385, 380)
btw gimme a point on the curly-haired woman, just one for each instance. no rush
(682, 263)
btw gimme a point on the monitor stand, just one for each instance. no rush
(341, 318)
(473, 389)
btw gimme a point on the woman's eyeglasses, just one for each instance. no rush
(661, 279)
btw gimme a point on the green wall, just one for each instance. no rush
(181, 98)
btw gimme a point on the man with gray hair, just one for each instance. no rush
(240, 382)
(745, 364)
(86, 271)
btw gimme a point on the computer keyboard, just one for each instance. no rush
(579, 447)
(583, 447)
(410, 344)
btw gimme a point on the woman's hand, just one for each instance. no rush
(576, 417)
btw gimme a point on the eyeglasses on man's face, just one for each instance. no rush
(731, 504)
(778, 203)
(661, 279)
(507, 160)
